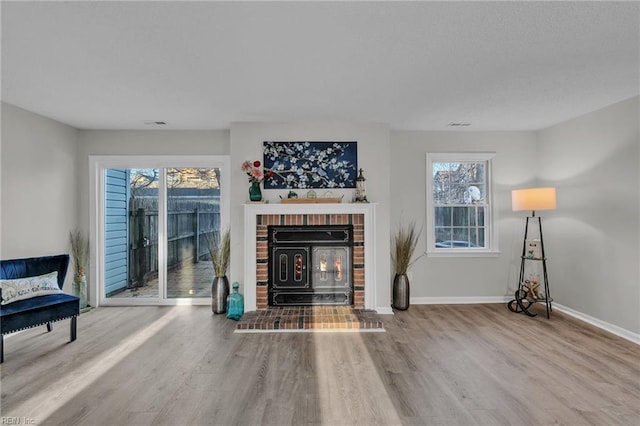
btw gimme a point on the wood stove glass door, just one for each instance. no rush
(331, 267)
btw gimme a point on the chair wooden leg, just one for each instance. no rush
(73, 328)
(49, 326)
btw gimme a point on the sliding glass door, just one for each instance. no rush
(154, 218)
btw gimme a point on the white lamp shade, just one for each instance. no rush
(533, 199)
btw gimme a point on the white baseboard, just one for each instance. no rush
(384, 310)
(611, 328)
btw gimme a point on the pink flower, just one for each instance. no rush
(256, 174)
(254, 171)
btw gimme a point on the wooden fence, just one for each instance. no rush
(187, 235)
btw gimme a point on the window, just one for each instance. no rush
(459, 205)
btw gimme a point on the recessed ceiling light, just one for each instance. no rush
(155, 123)
(458, 124)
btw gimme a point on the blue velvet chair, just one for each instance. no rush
(41, 310)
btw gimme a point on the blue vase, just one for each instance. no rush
(235, 304)
(255, 194)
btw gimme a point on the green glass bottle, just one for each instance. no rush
(235, 303)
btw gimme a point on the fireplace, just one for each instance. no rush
(259, 217)
(310, 265)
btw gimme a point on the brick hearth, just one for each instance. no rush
(310, 318)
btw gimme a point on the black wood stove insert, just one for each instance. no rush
(310, 265)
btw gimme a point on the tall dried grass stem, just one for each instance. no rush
(220, 251)
(403, 247)
(79, 250)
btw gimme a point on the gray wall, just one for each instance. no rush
(593, 237)
(39, 186)
(514, 165)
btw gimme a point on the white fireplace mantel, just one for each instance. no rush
(253, 210)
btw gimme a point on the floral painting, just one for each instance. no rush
(298, 165)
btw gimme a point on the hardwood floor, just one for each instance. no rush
(436, 364)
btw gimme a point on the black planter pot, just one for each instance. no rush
(219, 293)
(401, 289)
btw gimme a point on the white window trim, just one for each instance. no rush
(97, 165)
(490, 216)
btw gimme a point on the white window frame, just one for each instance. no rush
(491, 236)
(97, 165)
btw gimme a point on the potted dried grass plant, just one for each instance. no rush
(80, 256)
(403, 247)
(220, 254)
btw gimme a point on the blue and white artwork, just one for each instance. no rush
(298, 165)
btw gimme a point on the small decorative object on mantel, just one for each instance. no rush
(308, 200)
(220, 253)
(403, 247)
(235, 303)
(361, 196)
(292, 194)
(80, 255)
(254, 171)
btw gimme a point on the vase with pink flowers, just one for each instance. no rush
(256, 176)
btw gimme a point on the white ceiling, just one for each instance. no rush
(414, 65)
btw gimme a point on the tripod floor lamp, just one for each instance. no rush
(532, 199)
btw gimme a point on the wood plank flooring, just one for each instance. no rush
(435, 365)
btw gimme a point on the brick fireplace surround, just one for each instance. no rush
(257, 217)
(262, 252)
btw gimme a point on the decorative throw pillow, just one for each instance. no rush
(26, 288)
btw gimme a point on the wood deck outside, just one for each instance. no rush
(192, 280)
